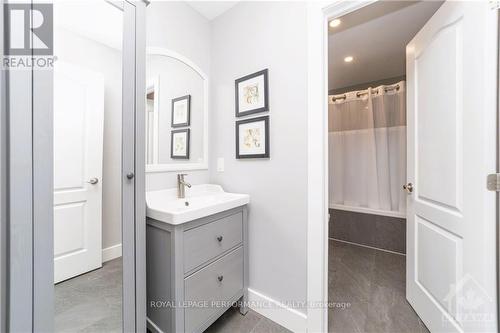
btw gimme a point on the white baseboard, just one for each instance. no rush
(287, 317)
(111, 252)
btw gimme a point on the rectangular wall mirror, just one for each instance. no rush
(176, 113)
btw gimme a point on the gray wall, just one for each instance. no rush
(249, 37)
(177, 27)
(366, 85)
(95, 56)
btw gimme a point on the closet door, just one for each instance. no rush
(451, 229)
(29, 164)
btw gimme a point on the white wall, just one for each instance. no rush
(249, 37)
(83, 52)
(178, 27)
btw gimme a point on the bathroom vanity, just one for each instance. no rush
(197, 257)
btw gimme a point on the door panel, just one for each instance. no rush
(78, 145)
(69, 134)
(451, 260)
(437, 251)
(70, 223)
(439, 127)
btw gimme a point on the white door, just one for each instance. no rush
(78, 147)
(451, 237)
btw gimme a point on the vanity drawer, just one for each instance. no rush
(219, 281)
(212, 239)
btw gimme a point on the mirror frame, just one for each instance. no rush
(151, 168)
(154, 85)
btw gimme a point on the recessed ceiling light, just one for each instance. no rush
(334, 23)
(348, 59)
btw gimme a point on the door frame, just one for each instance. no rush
(318, 216)
(3, 185)
(318, 15)
(28, 206)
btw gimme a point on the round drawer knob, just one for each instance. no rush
(219, 238)
(220, 278)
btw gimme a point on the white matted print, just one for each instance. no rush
(252, 93)
(181, 108)
(179, 146)
(252, 138)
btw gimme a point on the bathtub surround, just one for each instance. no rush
(245, 39)
(382, 232)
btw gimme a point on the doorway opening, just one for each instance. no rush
(88, 267)
(367, 166)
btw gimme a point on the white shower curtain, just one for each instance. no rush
(367, 149)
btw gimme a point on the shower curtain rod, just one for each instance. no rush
(361, 93)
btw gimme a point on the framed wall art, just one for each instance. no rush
(252, 93)
(181, 111)
(179, 144)
(252, 138)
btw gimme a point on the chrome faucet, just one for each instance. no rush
(181, 186)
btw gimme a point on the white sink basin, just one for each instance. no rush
(201, 200)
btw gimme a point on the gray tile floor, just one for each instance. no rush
(373, 283)
(233, 322)
(92, 303)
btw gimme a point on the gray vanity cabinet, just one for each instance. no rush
(196, 270)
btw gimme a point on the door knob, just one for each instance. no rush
(93, 181)
(408, 187)
(130, 175)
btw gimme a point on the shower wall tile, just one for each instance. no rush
(384, 232)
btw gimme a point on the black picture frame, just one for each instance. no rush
(183, 157)
(267, 145)
(265, 108)
(178, 99)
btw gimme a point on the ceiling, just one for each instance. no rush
(106, 25)
(376, 36)
(211, 9)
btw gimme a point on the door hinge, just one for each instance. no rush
(493, 182)
(494, 4)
